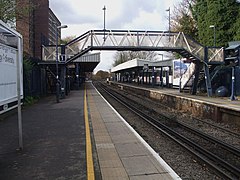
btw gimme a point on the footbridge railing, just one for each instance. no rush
(132, 40)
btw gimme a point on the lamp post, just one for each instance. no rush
(104, 17)
(169, 22)
(57, 79)
(214, 29)
(232, 97)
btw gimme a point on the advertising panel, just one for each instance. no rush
(179, 68)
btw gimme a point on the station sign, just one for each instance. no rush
(11, 73)
(9, 56)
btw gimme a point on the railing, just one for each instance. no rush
(190, 45)
(134, 40)
(120, 39)
(215, 54)
(49, 52)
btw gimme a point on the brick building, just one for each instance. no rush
(38, 26)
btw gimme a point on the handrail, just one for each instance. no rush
(130, 39)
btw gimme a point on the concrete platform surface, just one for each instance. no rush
(122, 153)
(53, 141)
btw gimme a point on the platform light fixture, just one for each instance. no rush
(169, 21)
(214, 29)
(104, 21)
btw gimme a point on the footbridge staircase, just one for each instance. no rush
(199, 56)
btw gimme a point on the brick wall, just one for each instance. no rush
(41, 22)
(24, 25)
(37, 26)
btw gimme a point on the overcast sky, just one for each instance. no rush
(84, 15)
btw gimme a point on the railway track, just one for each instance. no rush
(218, 127)
(221, 157)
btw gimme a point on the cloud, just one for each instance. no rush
(69, 14)
(119, 13)
(82, 16)
(147, 21)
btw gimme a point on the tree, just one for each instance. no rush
(236, 28)
(193, 17)
(7, 11)
(67, 39)
(73, 48)
(10, 9)
(123, 56)
(182, 19)
(101, 75)
(222, 14)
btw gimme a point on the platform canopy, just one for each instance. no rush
(141, 63)
(88, 62)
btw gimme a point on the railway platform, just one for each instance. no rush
(82, 137)
(122, 153)
(219, 109)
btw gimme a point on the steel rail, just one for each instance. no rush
(216, 126)
(226, 146)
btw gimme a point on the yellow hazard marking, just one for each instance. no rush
(90, 167)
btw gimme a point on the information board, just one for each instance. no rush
(8, 78)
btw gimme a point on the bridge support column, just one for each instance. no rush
(206, 72)
(77, 76)
(67, 81)
(63, 81)
(167, 78)
(196, 78)
(143, 77)
(170, 79)
(146, 78)
(153, 77)
(161, 77)
(138, 76)
(118, 77)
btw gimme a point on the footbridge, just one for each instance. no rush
(130, 40)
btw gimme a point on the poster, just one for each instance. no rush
(179, 68)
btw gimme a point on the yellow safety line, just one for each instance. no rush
(90, 168)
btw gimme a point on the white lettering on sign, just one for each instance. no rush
(8, 74)
(5, 107)
(7, 54)
(3, 38)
